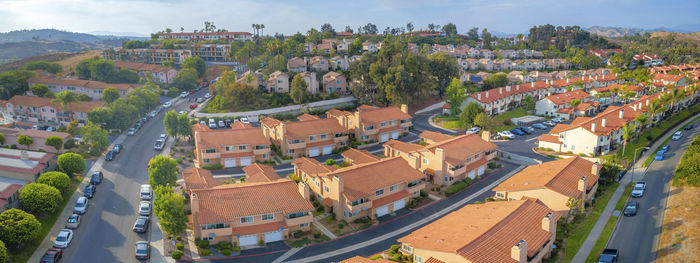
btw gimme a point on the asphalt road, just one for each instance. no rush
(636, 237)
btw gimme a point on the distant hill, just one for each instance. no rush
(622, 32)
(695, 36)
(53, 34)
(66, 59)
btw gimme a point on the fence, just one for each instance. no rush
(253, 115)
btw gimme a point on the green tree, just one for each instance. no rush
(184, 128)
(100, 115)
(643, 121)
(95, 135)
(14, 82)
(171, 123)
(169, 207)
(17, 227)
(470, 112)
(277, 63)
(66, 98)
(58, 180)
(574, 102)
(495, 81)
(484, 121)
(55, 142)
(25, 140)
(455, 96)
(444, 68)
(298, 90)
(575, 206)
(197, 64)
(84, 97)
(627, 132)
(529, 103)
(110, 94)
(2, 139)
(3, 252)
(71, 163)
(162, 171)
(186, 79)
(450, 29)
(40, 198)
(40, 90)
(51, 67)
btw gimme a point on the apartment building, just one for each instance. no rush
(553, 183)
(563, 85)
(319, 63)
(147, 55)
(372, 189)
(446, 160)
(373, 124)
(278, 81)
(335, 82)
(559, 104)
(296, 64)
(25, 165)
(39, 137)
(92, 88)
(669, 79)
(499, 100)
(371, 47)
(340, 63)
(237, 147)
(44, 110)
(308, 137)
(212, 52)
(9, 193)
(649, 59)
(520, 231)
(311, 81)
(251, 213)
(207, 36)
(159, 73)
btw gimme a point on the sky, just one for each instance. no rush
(291, 16)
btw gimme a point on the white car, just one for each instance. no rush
(163, 136)
(145, 208)
(557, 120)
(506, 134)
(473, 130)
(206, 96)
(184, 94)
(73, 221)
(63, 239)
(167, 104)
(199, 100)
(245, 120)
(677, 135)
(549, 123)
(181, 112)
(212, 124)
(80, 206)
(146, 193)
(222, 124)
(639, 188)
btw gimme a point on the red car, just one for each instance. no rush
(52, 255)
(193, 106)
(191, 92)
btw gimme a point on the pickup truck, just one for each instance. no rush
(608, 256)
(159, 145)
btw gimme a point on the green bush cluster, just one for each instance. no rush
(688, 170)
(213, 166)
(177, 254)
(456, 187)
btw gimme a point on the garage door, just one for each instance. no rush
(313, 152)
(273, 236)
(482, 169)
(249, 240)
(400, 204)
(231, 162)
(395, 135)
(472, 174)
(245, 161)
(385, 137)
(328, 149)
(382, 210)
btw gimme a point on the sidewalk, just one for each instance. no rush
(590, 241)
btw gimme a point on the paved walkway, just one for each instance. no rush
(592, 238)
(158, 255)
(323, 229)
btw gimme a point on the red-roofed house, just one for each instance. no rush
(25, 165)
(159, 73)
(668, 79)
(308, 137)
(239, 146)
(90, 87)
(649, 59)
(44, 110)
(553, 105)
(373, 124)
(499, 100)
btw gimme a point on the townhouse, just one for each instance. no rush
(212, 52)
(92, 88)
(308, 137)
(159, 73)
(325, 47)
(44, 110)
(260, 173)
(39, 137)
(553, 183)
(682, 68)
(147, 55)
(564, 85)
(277, 81)
(372, 189)
(240, 146)
(318, 63)
(311, 81)
(446, 160)
(343, 45)
(356, 156)
(373, 124)
(250, 78)
(25, 165)
(499, 100)
(559, 105)
(649, 59)
(371, 47)
(669, 79)
(207, 36)
(335, 82)
(340, 63)
(520, 231)
(296, 64)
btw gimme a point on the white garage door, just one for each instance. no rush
(249, 240)
(482, 169)
(231, 162)
(395, 135)
(382, 210)
(273, 236)
(328, 149)
(472, 174)
(399, 205)
(385, 137)
(313, 152)
(245, 161)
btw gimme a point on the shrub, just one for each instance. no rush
(508, 122)
(478, 202)
(317, 234)
(177, 254)
(205, 253)
(456, 187)
(375, 257)
(203, 244)
(394, 248)
(179, 238)
(58, 180)
(423, 193)
(226, 252)
(213, 166)
(330, 162)
(180, 246)
(261, 243)
(341, 226)
(236, 249)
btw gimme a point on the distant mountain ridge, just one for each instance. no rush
(622, 32)
(55, 35)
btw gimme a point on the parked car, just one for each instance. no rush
(63, 239)
(228, 123)
(184, 94)
(677, 136)
(526, 129)
(80, 205)
(117, 148)
(110, 156)
(203, 123)
(212, 124)
(557, 120)
(141, 224)
(145, 208)
(193, 106)
(659, 155)
(222, 124)
(199, 100)
(473, 130)
(206, 96)
(688, 127)
(89, 191)
(539, 126)
(631, 208)
(167, 104)
(666, 148)
(245, 120)
(153, 114)
(181, 112)
(36, 127)
(96, 177)
(146, 193)
(158, 145)
(608, 256)
(639, 188)
(506, 134)
(73, 221)
(50, 129)
(191, 92)
(143, 250)
(163, 136)
(52, 255)
(517, 131)
(144, 119)
(549, 123)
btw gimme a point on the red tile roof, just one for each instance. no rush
(376, 115)
(312, 166)
(362, 180)
(198, 178)
(563, 98)
(359, 156)
(459, 148)
(561, 176)
(496, 94)
(260, 173)
(434, 136)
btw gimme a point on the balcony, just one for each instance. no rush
(261, 151)
(298, 145)
(299, 220)
(371, 132)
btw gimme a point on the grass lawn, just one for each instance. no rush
(581, 231)
(307, 239)
(23, 254)
(514, 113)
(449, 122)
(609, 226)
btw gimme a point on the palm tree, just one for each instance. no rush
(262, 26)
(677, 95)
(643, 120)
(627, 131)
(66, 98)
(654, 108)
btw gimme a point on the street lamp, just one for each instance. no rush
(635, 159)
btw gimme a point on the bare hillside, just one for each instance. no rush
(695, 36)
(66, 59)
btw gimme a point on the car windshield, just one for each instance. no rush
(637, 188)
(62, 238)
(72, 220)
(79, 204)
(630, 206)
(47, 259)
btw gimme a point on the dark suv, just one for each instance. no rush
(96, 178)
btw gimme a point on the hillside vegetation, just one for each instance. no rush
(66, 59)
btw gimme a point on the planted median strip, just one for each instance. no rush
(609, 226)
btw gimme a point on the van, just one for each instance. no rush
(212, 124)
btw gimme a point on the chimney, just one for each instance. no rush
(440, 153)
(517, 87)
(622, 113)
(414, 162)
(23, 155)
(639, 106)
(519, 251)
(548, 223)
(595, 168)
(500, 90)
(603, 122)
(478, 96)
(634, 107)
(486, 136)
(593, 127)
(567, 80)
(404, 108)
(339, 188)
(596, 77)
(304, 190)
(532, 84)
(487, 94)
(507, 88)
(582, 184)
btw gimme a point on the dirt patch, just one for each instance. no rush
(680, 235)
(66, 59)
(215, 71)
(425, 103)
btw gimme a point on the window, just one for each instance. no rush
(290, 151)
(242, 147)
(391, 122)
(210, 150)
(266, 217)
(311, 138)
(369, 128)
(382, 124)
(476, 156)
(206, 160)
(418, 259)
(407, 248)
(216, 226)
(425, 161)
(323, 136)
(229, 148)
(304, 225)
(295, 215)
(264, 156)
(414, 183)
(393, 188)
(260, 147)
(246, 219)
(296, 141)
(318, 184)
(327, 189)
(379, 192)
